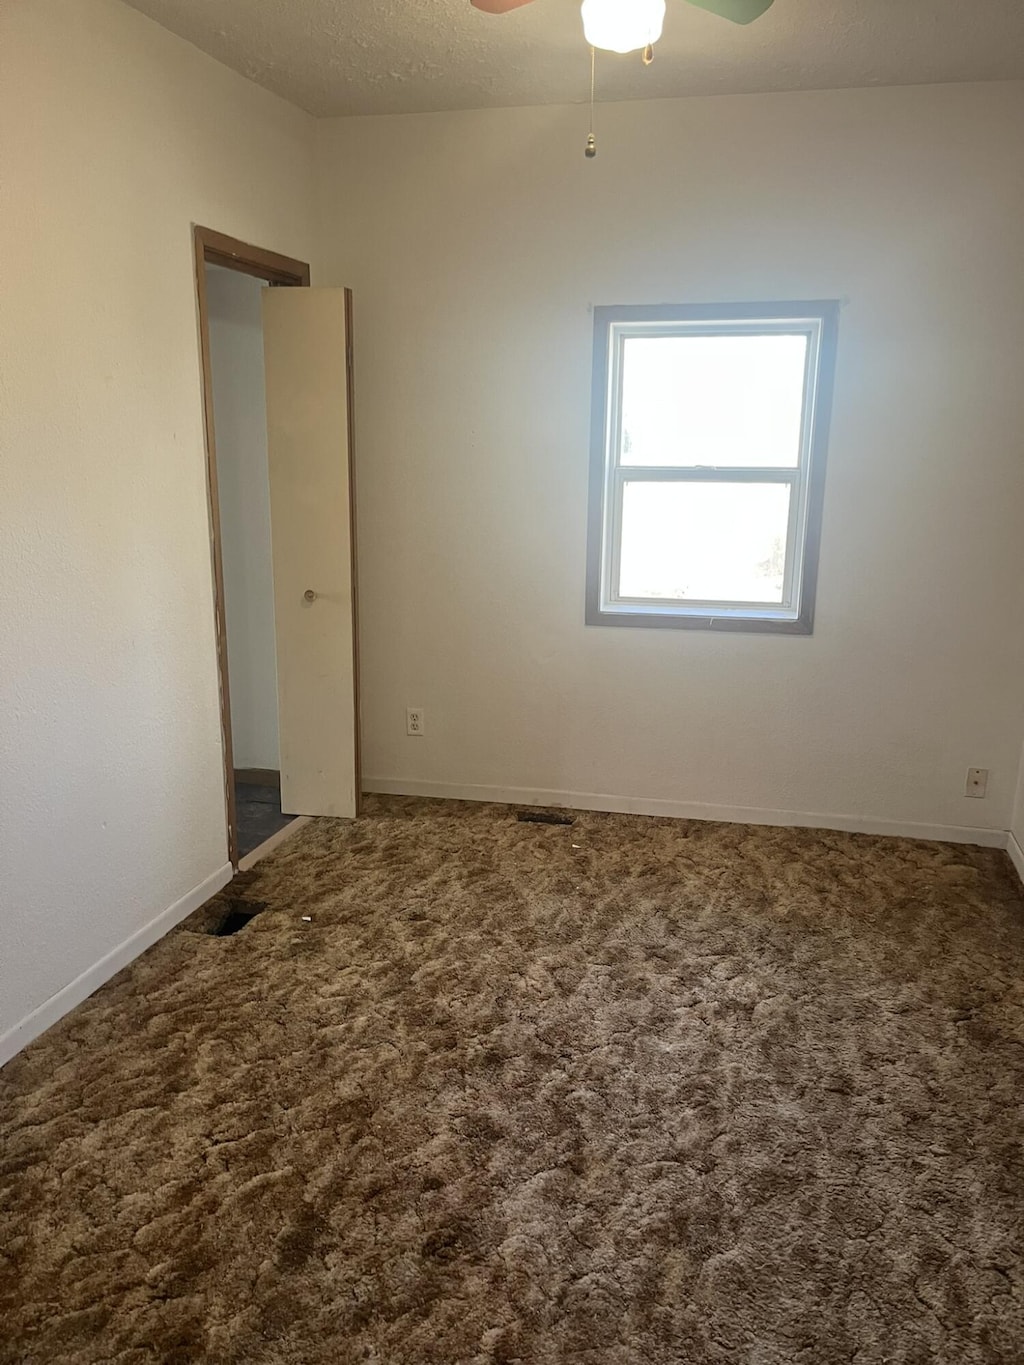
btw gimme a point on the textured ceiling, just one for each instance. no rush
(404, 56)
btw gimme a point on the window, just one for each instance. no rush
(708, 463)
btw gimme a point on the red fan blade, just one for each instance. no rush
(498, 6)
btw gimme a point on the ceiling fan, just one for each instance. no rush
(629, 25)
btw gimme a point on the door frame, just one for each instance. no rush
(214, 248)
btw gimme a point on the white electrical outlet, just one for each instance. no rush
(415, 721)
(977, 782)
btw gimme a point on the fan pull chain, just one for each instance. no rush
(591, 148)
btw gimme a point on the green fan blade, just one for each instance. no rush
(739, 11)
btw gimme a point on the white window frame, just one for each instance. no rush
(613, 327)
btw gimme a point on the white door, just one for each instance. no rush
(307, 350)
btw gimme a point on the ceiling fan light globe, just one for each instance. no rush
(622, 25)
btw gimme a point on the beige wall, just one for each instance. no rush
(476, 244)
(243, 489)
(116, 137)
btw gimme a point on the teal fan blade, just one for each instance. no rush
(739, 11)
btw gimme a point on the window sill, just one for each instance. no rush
(759, 624)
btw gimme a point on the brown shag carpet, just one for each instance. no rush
(634, 1091)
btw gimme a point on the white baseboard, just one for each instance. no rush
(689, 810)
(1016, 853)
(251, 859)
(93, 977)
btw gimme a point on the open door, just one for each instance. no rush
(307, 357)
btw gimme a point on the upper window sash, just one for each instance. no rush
(620, 334)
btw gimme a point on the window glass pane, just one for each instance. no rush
(704, 542)
(712, 400)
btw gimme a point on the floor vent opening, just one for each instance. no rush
(238, 916)
(544, 817)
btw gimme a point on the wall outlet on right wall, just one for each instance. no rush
(977, 782)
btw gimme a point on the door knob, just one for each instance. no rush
(309, 595)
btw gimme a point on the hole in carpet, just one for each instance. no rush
(238, 916)
(544, 817)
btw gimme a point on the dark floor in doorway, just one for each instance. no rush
(258, 812)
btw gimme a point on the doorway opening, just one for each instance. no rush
(230, 279)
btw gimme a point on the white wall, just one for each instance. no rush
(116, 137)
(476, 244)
(243, 482)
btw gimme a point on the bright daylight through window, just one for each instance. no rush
(709, 433)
